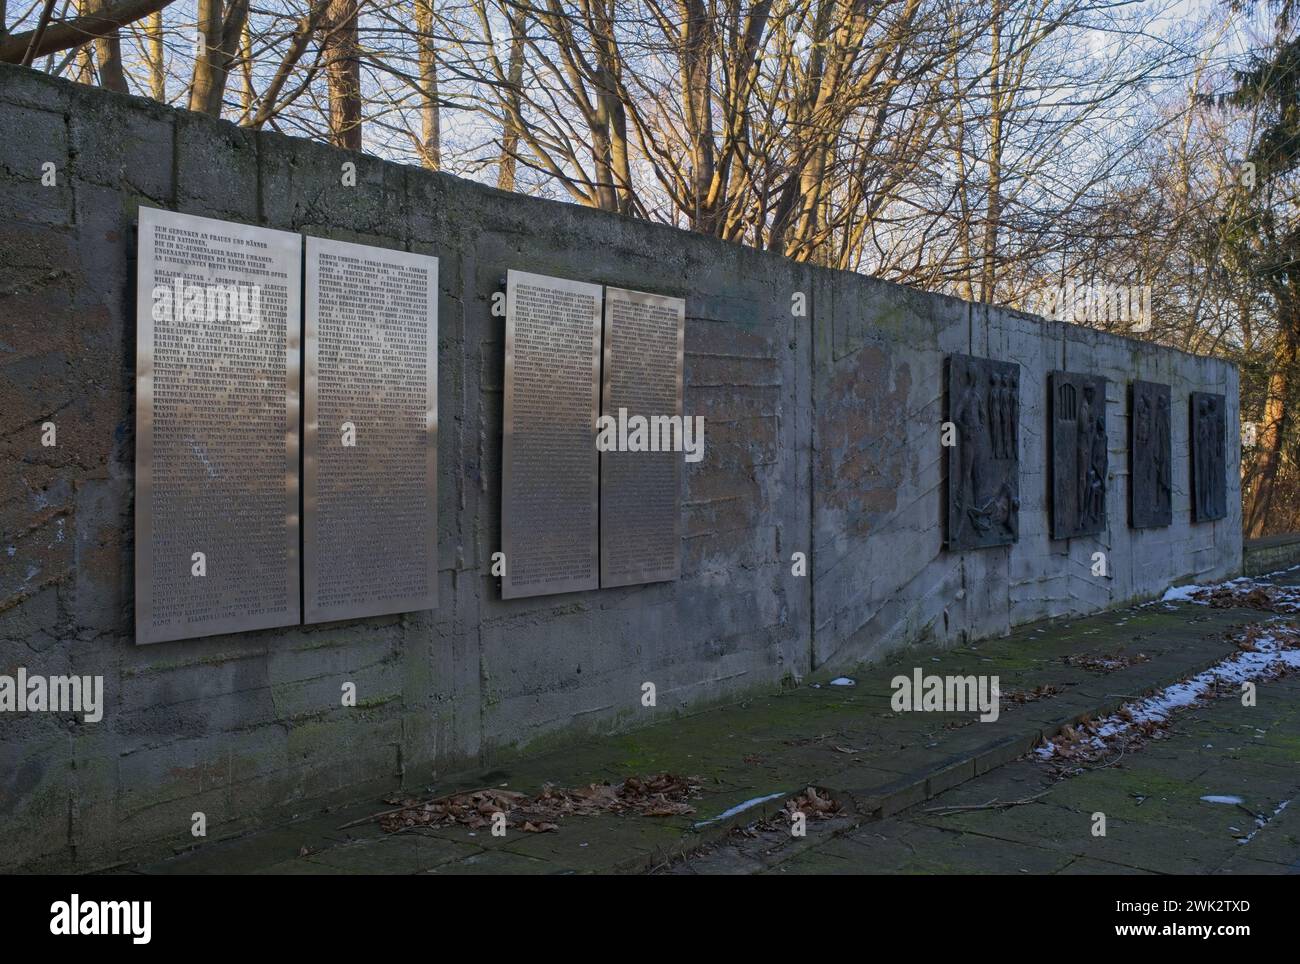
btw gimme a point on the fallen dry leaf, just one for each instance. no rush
(1105, 662)
(661, 795)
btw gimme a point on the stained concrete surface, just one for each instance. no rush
(849, 741)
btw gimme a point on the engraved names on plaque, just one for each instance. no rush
(217, 370)
(1079, 454)
(369, 431)
(1208, 427)
(550, 468)
(640, 507)
(1150, 456)
(984, 464)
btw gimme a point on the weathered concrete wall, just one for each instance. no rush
(882, 577)
(1270, 554)
(822, 437)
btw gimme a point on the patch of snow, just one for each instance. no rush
(1181, 593)
(843, 681)
(740, 807)
(1215, 798)
(1262, 822)
(1266, 661)
(1285, 598)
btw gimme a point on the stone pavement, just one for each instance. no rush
(845, 739)
(1158, 817)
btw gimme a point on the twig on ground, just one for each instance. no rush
(1108, 763)
(994, 804)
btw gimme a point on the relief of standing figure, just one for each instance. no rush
(1083, 456)
(1161, 432)
(1202, 443)
(995, 416)
(1099, 463)
(1209, 444)
(1143, 429)
(1009, 433)
(1216, 476)
(983, 479)
(970, 423)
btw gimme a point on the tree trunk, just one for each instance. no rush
(157, 57)
(613, 113)
(248, 96)
(988, 279)
(431, 134)
(601, 157)
(697, 107)
(1271, 438)
(220, 44)
(205, 96)
(510, 131)
(108, 52)
(343, 70)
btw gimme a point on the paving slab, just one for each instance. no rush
(876, 762)
(1185, 804)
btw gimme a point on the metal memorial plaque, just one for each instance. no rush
(1209, 457)
(550, 469)
(370, 431)
(217, 377)
(640, 495)
(1150, 456)
(984, 459)
(1080, 454)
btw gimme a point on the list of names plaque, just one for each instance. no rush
(640, 508)
(550, 468)
(370, 431)
(217, 370)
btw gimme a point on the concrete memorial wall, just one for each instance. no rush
(822, 523)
